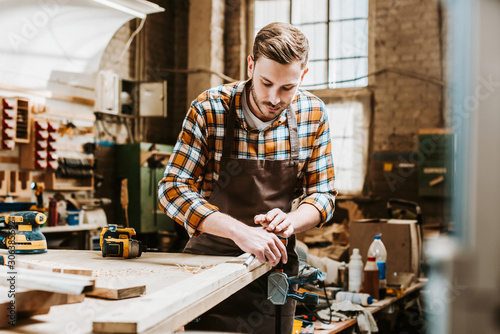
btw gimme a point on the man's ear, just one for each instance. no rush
(251, 66)
(302, 76)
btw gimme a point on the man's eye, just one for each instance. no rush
(267, 84)
(287, 88)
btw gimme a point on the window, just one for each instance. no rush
(337, 31)
(349, 128)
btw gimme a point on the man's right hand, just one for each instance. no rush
(265, 245)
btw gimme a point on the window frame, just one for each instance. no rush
(371, 42)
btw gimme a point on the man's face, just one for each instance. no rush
(273, 86)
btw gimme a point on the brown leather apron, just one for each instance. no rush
(250, 187)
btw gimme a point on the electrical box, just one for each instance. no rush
(143, 165)
(435, 165)
(153, 99)
(107, 92)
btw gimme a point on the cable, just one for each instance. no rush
(131, 38)
(406, 73)
(193, 70)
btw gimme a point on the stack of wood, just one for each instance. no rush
(25, 292)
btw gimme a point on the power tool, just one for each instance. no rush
(20, 232)
(280, 287)
(38, 187)
(119, 242)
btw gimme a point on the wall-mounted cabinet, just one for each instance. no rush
(143, 165)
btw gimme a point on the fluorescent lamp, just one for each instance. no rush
(122, 8)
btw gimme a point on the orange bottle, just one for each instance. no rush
(371, 278)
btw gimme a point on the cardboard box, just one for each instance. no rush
(401, 239)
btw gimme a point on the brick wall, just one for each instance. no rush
(111, 60)
(166, 49)
(407, 97)
(407, 40)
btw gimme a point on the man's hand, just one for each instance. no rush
(266, 246)
(277, 222)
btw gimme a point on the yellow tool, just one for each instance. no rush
(119, 242)
(20, 232)
(38, 187)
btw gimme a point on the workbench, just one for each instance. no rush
(389, 302)
(179, 288)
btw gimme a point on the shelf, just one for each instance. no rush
(68, 184)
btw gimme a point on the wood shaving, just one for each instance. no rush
(194, 270)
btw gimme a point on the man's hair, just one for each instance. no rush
(281, 42)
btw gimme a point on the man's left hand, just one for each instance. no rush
(277, 222)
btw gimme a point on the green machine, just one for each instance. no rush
(142, 165)
(435, 165)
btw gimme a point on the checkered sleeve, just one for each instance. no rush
(319, 178)
(179, 190)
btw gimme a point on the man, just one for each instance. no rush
(246, 150)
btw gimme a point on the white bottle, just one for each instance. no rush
(355, 298)
(355, 271)
(377, 249)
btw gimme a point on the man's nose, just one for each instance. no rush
(274, 96)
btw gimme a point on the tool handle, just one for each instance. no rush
(305, 297)
(249, 260)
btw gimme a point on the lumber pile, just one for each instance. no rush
(27, 292)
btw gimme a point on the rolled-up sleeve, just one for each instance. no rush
(179, 190)
(319, 177)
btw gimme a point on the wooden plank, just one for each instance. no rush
(31, 302)
(188, 298)
(123, 278)
(117, 293)
(46, 281)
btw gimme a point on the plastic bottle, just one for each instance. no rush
(53, 212)
(343, 276)
(371, 278)
(355, 271)
(378, 250)
(9, 199)
(355, 298)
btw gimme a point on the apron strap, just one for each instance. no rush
(229, 138)
(292, 129)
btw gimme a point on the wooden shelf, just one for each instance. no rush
(68, 184)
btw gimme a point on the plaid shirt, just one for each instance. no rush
(193, 169)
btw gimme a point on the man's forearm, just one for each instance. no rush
(305, 217)
(221, 225)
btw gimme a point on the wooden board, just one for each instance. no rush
(177, 303)
(195, 282)
(118, 278)
(45, 280)
(30, 302)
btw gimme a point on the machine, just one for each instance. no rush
(20, 232)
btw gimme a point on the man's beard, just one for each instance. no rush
(282, 106)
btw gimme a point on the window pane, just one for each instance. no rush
(349, 128)
(348, 9)
(268, 11)
(307, 11)
(317, 74)
(316, 34)
(349, 39)
(349, 69)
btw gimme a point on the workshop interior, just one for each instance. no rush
(94, 94)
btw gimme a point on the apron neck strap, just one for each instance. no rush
(292, 129)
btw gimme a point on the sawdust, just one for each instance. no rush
(193, 270)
